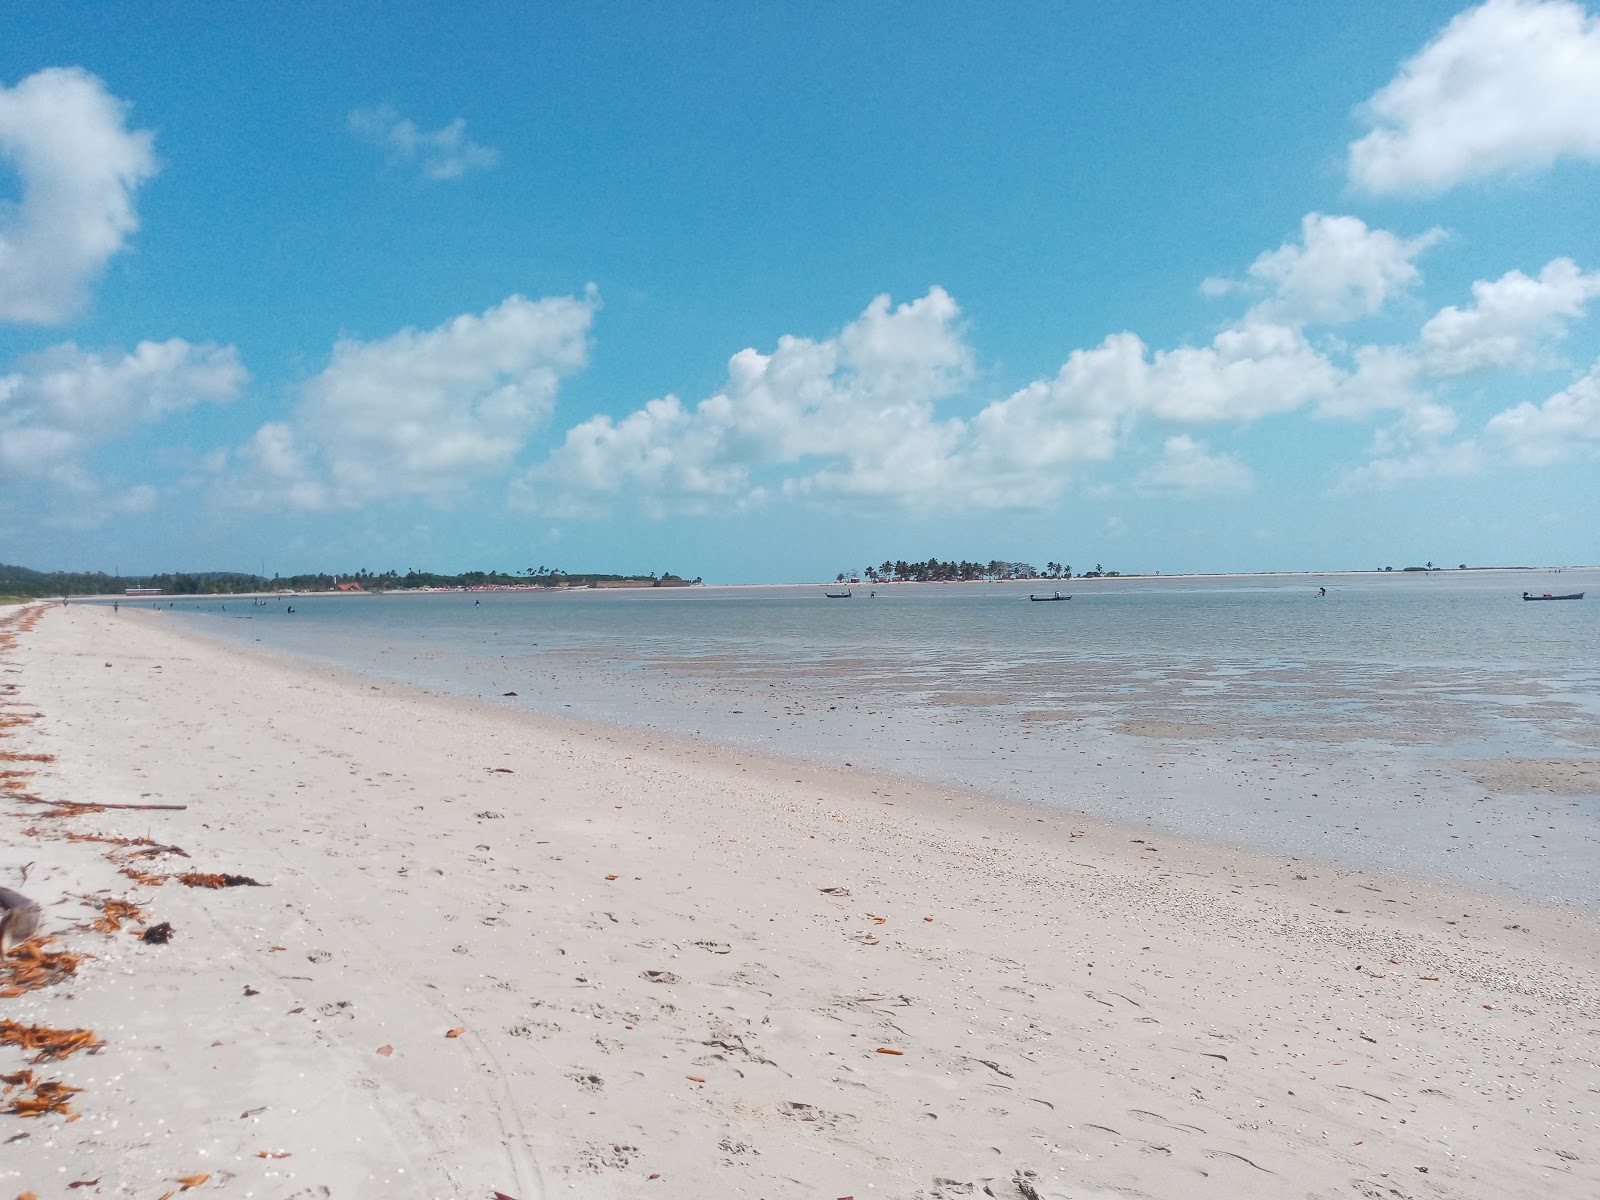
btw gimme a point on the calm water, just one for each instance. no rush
(1404, 722)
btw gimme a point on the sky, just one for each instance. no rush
(770, 292)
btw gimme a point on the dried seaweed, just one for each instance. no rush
(49, 1044)
(33, 965)
(114, 912)
(37, 1096)
(202, 879)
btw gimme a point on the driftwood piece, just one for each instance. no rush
(140, 807)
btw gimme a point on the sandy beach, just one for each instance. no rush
(495, 952)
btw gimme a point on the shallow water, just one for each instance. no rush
(1406, 722)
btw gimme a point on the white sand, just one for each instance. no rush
(1085, 1015)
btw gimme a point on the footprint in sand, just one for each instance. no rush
(616, 1157)
(810, 1114)
(660, 977)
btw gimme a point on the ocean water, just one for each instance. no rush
(1431, 725)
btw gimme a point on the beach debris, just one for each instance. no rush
(144, 877)
(32, 965)
(660, 977)
(49, 1044)
(834, 891)
(78, 1183)
(114, 912)
(386, 1050)
(250, 991)
(889, 1050)
(273, 1154)
(611, 877)
(508, 693)
(208, 880)
(48, 1095)
(158, 935)
(500, 770)
(192, 1181)
(694, 1079)
(456, 1032)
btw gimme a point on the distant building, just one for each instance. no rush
(348, 587)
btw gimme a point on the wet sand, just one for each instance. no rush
(674, 970)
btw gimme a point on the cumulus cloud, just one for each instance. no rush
(79, 165)
(1385, 474)
(1188, 467)
(1416, 446)
(63, 402)
(1565, 426)
(1512, 85)
(856, 415)
(421, 412)
(444, 153)
(858, 400)
(1339, 271)
(1511, 321)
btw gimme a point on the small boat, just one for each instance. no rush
(1548, 596)
(845, 595)
(1046, 599)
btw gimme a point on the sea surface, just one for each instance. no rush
(1431, 725)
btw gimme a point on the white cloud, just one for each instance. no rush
(420, 412)
(1187, 467)
(1385, 378)
(445, 153)
(861, 400)
(1341, 270)
(1511, 321)
(1512, 85)
(1384, 474)
(1421, 427)
(856, 416)
(79, 166)
(64, 401)
(1565, 425)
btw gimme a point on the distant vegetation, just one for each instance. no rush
(934, 571)
(22, 582)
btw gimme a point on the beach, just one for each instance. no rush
(496, 951)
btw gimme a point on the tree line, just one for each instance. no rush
(21, 581)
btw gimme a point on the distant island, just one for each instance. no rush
(934, 571)
(21, 581)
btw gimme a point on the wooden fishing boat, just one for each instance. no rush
(1047, 599)
(845, 595)
(1548, 596)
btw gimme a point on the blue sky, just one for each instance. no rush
(769, 292)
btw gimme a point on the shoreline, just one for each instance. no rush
(1115, 1015)
(929, 793)
(1075, 580)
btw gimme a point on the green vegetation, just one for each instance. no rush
(934, 571)
(25, 583)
